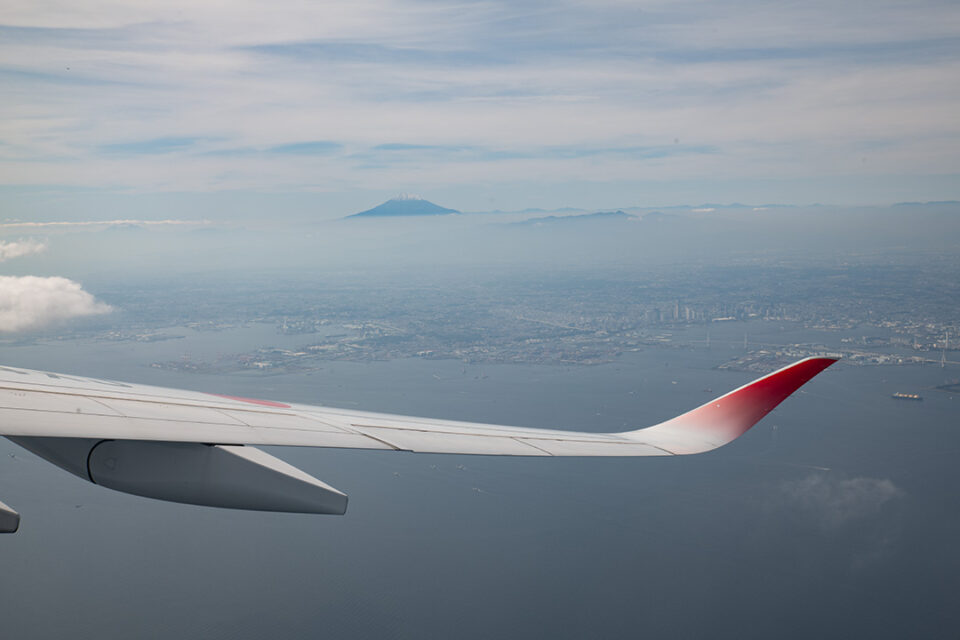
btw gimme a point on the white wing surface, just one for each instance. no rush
(163, 442)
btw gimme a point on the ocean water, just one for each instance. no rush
(837, 515)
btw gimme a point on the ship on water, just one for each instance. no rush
(906, 396)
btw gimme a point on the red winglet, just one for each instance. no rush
(730, 416)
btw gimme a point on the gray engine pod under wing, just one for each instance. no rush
(229, 476)
(235, 477)
(9, 519)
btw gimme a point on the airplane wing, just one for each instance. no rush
(196, 448)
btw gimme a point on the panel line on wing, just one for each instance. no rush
(381, 441)
(145, 399)
(102, 404)
(107, 402)
(492, 431)
(530, 444)
(68, 413)
(654, 446)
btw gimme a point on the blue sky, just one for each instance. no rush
(476, 105)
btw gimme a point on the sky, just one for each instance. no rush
(176, 109)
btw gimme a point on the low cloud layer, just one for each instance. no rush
(831, 502)
(17, 224)
(31, 302)
(16, 249)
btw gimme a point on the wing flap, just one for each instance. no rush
(169, 411)
(440, 442)
(625, 448)
(277, 420)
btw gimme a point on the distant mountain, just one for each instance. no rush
(404, 205)
(924, 204)
(713, 206)
(587, 217)
(533, 210)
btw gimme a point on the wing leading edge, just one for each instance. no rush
(167, 435)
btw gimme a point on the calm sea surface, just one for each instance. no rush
(837, 515)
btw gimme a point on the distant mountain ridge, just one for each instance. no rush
(586, 217)
(405, 205)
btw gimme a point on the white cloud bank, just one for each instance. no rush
(31, 302)
(20, 224)
(18, 248)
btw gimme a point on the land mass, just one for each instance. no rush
(586, 217)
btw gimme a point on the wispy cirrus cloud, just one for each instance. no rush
(307, 148)
(64, 224)
(154, 145)
(177, 96)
